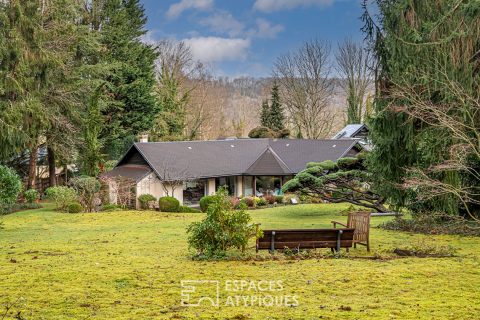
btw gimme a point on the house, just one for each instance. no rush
(188, 170)
(355, 131)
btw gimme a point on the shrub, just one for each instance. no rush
(205, 202)
(111, 207)
(270, 199)
(186, 209)
(249, 201)
(74, 207)
(260, 202)
(10, 188)
(169, 204)
(145, 199)
(61, 196)
(223, 228)
(279, 199)
(87, 189)
(31, 195)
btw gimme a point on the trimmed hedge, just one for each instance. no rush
(205, 202)
(74, 207)
(169, 204)
(186, 209)
(111, 207)
(144, 199)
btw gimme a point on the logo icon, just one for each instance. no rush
(200, 292)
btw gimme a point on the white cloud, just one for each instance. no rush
(216, 49)
(149, 37)
(176, 9)
(267, 30)
(275, 5)
(224, 22)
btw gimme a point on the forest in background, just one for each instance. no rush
(78, 87)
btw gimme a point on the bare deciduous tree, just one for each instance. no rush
(172, 175)
(353, 63)
(122, 190)
(306, 89)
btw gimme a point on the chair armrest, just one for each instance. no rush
(336, 222)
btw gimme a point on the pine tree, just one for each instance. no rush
(131, 74)
(265, 114)
(276, 116)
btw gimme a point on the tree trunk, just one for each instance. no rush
(65, 170)
(52, 177)
(32, 167)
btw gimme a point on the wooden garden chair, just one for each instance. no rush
(360, 221)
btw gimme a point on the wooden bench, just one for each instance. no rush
(360, 221)
(305, 239)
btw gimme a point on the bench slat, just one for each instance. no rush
(306, 238)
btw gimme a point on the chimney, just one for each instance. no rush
(143, 138)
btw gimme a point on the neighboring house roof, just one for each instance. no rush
(185, 160)
(350, 131)
(129, 171)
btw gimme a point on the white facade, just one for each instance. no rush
(152, 185)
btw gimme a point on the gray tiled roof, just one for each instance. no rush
(134, 172)
(202, 159)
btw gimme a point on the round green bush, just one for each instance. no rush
(61, 196)
(31, 195)
(10, 187)
(205, 202)
(74, 207)
(261, 202)
(144, 199)
(169, 204)
(279, 199)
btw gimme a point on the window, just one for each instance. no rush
(229, 182)
(247, 186)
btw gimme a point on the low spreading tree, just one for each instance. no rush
(347, 180)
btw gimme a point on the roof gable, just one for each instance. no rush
(268, 164)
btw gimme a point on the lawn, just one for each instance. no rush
(129, 265)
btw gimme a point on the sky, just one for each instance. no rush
(245, 37)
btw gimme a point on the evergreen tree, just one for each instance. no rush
(91, 155)
(265, 114)
(276, 116)
(423, 46)
(39, 76)
(131, 76)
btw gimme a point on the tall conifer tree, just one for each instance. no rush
(277, 118)
(133, 106)
(265, 114)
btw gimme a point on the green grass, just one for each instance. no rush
(128, 265)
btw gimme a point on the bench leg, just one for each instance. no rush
(272, 243)
(339, 239)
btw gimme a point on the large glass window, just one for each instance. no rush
(266, 185)
(229, 182)
(247, 186)
(194, 191)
